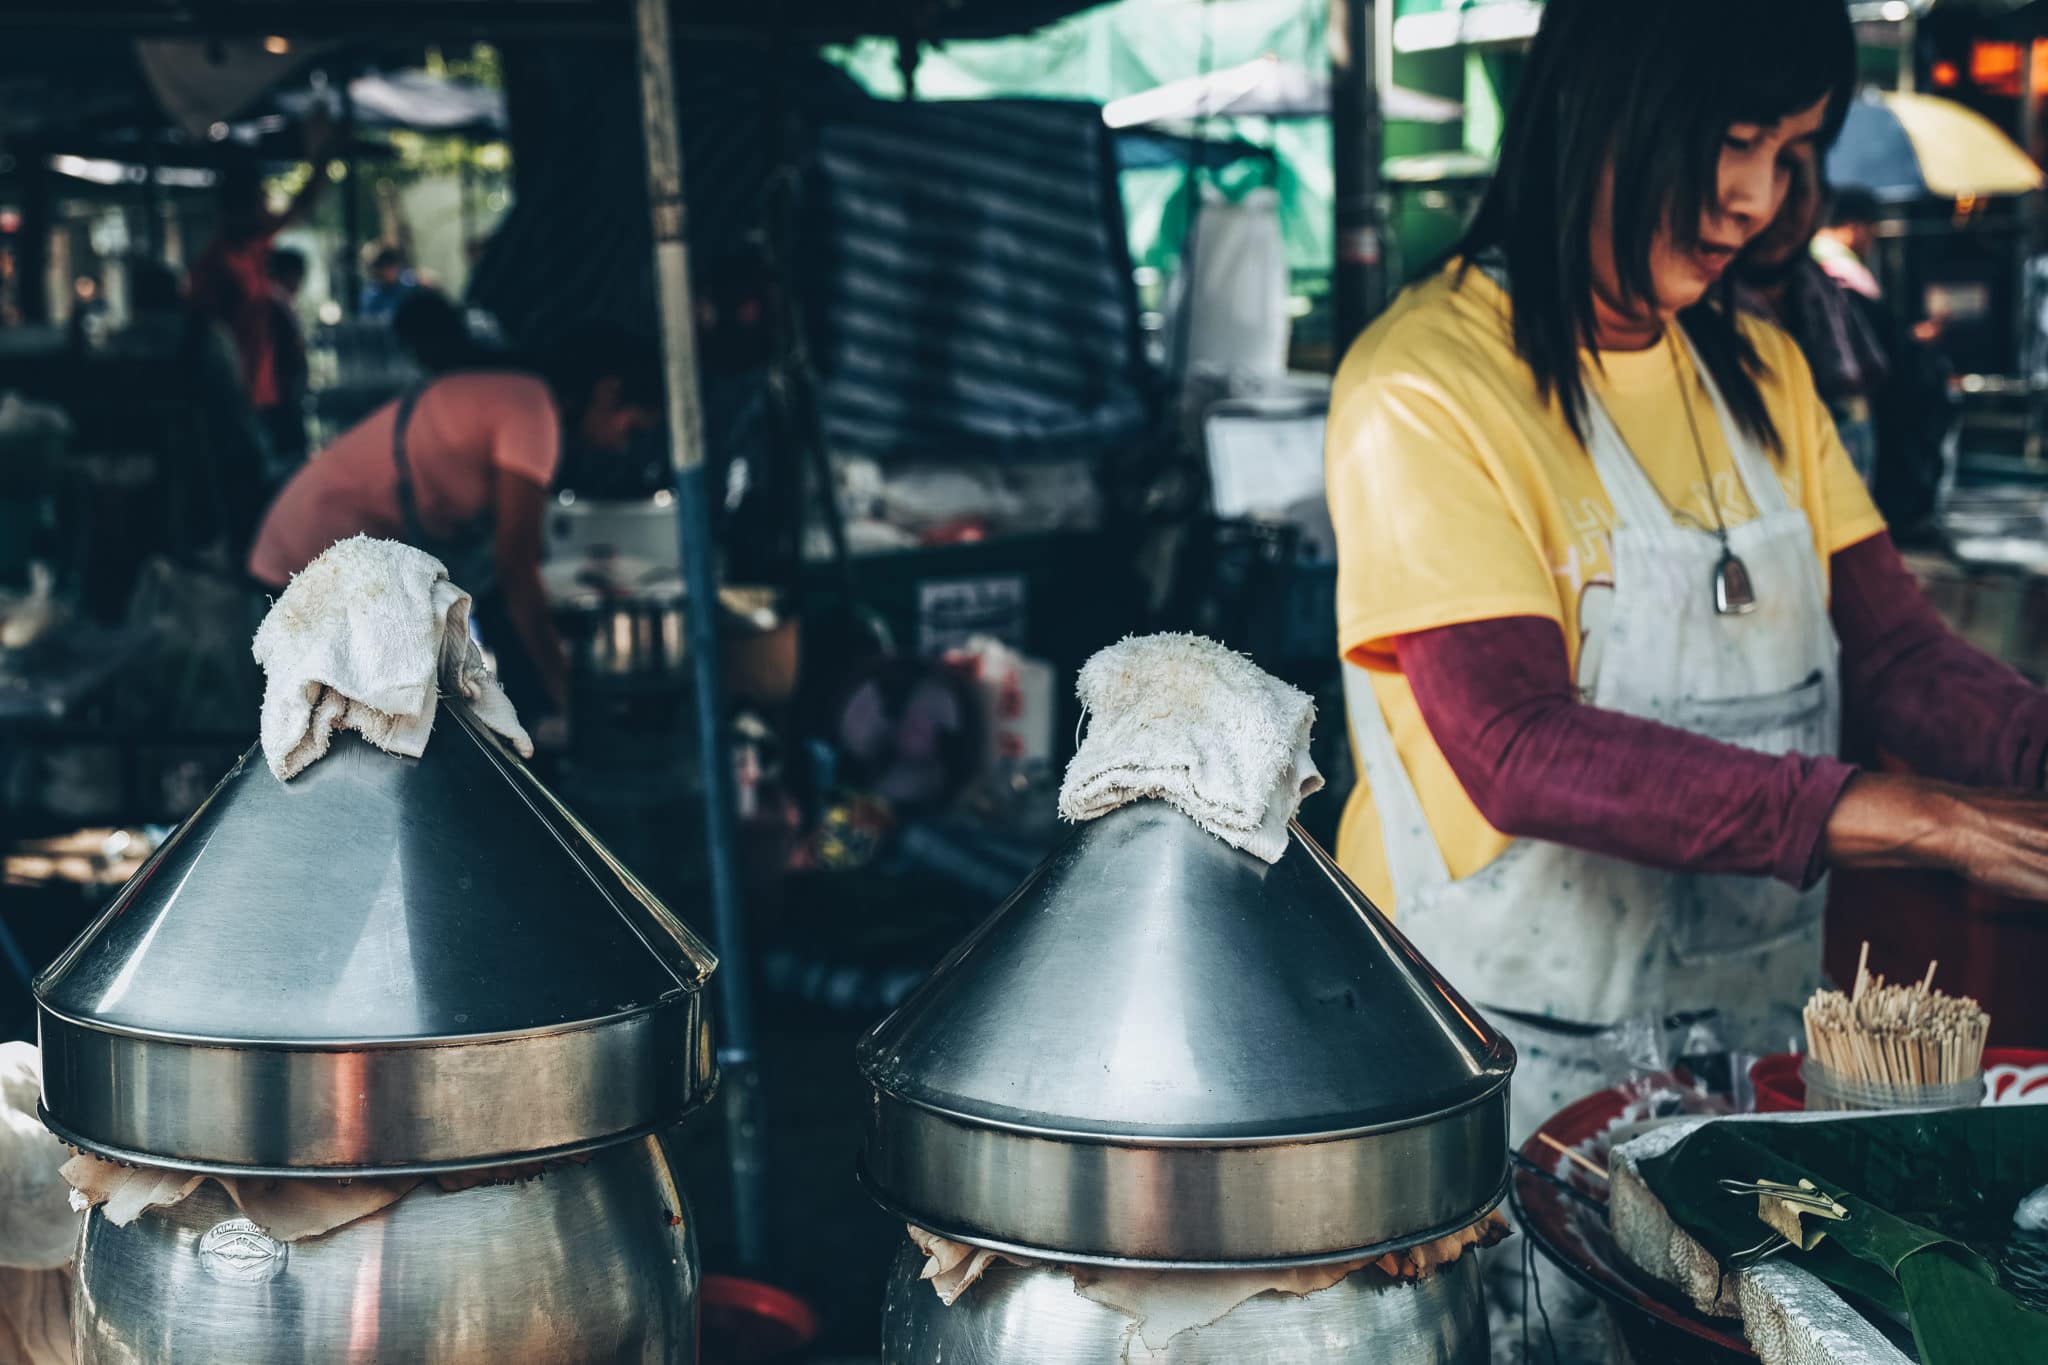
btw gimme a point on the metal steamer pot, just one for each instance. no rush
(586, 1264)
(1208, 1065)
(624, 634)
(1035, 1315)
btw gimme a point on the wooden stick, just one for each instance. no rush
(1578, 1158)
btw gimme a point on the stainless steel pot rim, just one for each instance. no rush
(1033, 1253)
(367, 1044)
(125, 1157)
(1191, 1141)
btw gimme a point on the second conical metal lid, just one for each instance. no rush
(1163, 1050)
(386, 964)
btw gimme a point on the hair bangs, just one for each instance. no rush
(1643, 91)
(1809, 55)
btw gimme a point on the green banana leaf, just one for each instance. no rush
(1930, 1198)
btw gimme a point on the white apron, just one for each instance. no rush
(1548, 932)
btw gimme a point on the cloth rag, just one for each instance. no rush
(1163, 1304)
(951, 1268)
(365, 638)
(37, 1227)
(1184, 720)
(289, 1210)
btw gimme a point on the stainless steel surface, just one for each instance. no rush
(583, 1266)
(1020, 1315)
(1163, 1050)
(1114, 1204)
(385, 964)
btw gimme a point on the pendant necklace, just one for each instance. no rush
(1734, 595)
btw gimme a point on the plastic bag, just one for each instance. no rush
(1233, 297)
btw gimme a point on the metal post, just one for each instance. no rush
(38, 216)
(1358, 284)
(908, 51)
(152, 198)
(351, 208)
(742, 1078)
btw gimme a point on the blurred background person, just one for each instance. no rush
(1782, 280)
(231, 281)
(434, 331)
(1846, 242)
(284, 424)
(459, 466)
(386, 283)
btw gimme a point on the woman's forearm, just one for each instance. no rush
(1499, 701)
(526, 603)
(1949, 710)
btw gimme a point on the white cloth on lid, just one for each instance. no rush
(1187, 721)
(364, 638)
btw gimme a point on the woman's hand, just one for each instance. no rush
(1998, 840)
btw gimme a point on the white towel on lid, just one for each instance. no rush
(364, 638)
(1186, 721)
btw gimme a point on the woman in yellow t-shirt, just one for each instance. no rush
(1606, 578)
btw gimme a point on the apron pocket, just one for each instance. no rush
(1728, 918)
(1763, 722)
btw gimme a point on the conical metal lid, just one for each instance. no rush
(386, 964)
(1163, 1050)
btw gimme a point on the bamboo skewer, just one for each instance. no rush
(1578, 1158)
(1896, 1037)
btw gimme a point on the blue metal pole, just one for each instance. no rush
(741, 1072)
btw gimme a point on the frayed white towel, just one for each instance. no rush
(364, 638)
(1201, 727)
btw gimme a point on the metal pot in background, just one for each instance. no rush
(622, 631)
(588, 1264)
(579, 527)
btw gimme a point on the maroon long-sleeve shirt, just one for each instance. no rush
(1538, 763)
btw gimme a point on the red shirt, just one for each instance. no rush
(231, 284)
(468, 430)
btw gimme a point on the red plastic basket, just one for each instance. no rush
(745, 1322)
(1779, 1089)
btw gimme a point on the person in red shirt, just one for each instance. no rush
(230, 282)
(460, 467)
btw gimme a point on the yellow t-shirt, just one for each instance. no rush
(1458, 496)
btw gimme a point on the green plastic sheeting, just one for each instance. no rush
(1130, 47)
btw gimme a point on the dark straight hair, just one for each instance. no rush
(1650, 87)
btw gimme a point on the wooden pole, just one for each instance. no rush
(1358, 285)
(741, 1072)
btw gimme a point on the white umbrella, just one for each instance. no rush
(1264, 88)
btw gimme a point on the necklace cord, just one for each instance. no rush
(1699, 447)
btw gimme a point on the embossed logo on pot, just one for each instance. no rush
(240, 1252)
